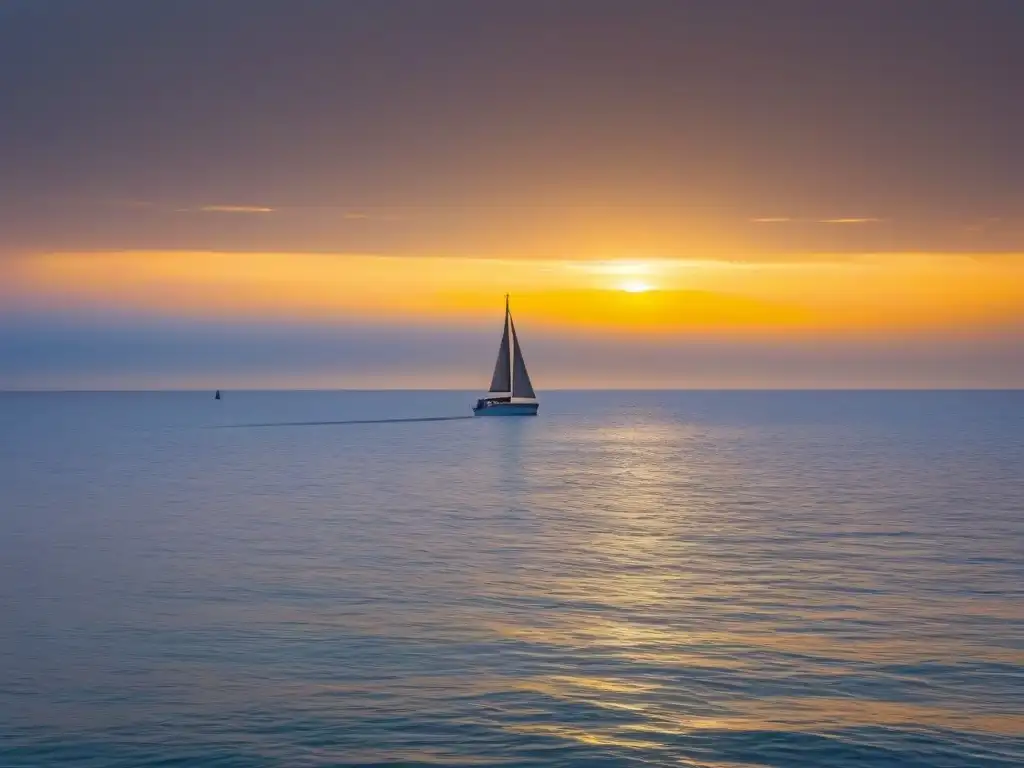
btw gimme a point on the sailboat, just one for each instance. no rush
(511, 393)
(217, 396)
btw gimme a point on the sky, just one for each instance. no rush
(738, 193)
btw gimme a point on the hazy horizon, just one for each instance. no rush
(549, 389)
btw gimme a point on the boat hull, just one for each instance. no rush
(507, 409)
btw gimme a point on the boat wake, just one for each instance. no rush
(342, 423)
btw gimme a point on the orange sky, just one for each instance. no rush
(840, 294)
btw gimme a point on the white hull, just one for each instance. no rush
(507, 409)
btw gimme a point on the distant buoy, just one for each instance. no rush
(217, 396)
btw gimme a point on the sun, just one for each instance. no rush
(635, 286)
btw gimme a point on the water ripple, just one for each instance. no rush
(715, 580)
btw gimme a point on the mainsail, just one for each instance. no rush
(521, 386)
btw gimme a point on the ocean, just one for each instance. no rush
(713, 579)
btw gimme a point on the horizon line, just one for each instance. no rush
(472, 391)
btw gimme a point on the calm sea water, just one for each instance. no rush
(724, 580)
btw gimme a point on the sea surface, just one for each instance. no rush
(716, 579)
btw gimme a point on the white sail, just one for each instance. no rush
(521, 386)
(501, 381)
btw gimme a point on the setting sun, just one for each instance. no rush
(635, 286)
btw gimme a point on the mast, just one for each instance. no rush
(511, 352)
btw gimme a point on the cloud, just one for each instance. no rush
(985, 225)
(233, 209)
(70, 350)
(863, 220)
(137, 204)
(148, 205)
(357, 215)
(840, 220)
